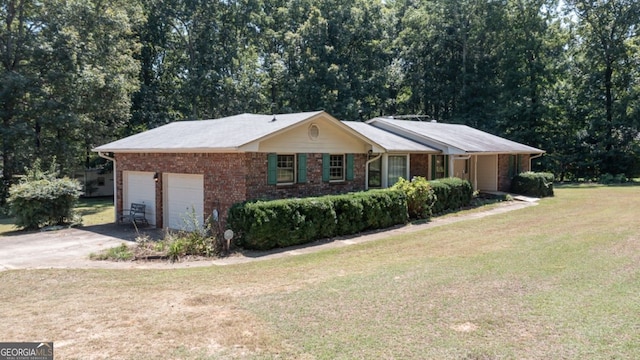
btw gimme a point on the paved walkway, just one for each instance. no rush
(70, 248)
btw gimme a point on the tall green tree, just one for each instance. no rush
(67, 76)
(449, 54)
(19, 26)
(606, 83)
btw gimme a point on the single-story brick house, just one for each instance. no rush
(206, 166)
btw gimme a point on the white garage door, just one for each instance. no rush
(139, 187)
(184, 201)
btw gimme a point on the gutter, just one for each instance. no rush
(534, 157)
(115, 182)
(366, 170)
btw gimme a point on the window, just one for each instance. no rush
(439, 166)
(375, 173)
(397, 168)
(336, 167)
(286, 169)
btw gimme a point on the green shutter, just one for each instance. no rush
(518, 170)
(349, 167)
(446, 166)
(325, 167)
(433, 167)
(272, 169)
(302, 168)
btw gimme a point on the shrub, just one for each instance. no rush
(41, 198)
(263, 225)
(420, 196)
(451, 194)
(538, 184)
(118, 253)
(613, 179)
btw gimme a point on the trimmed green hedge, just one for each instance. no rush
(538, 184)
(451, 194)
(263, 225)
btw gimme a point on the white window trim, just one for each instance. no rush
(386, 168)
(344, 168)
(295, 170)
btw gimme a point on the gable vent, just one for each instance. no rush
(314, 131)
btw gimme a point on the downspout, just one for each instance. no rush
(534, 157)
(475, 172)
(366, 170)
(115, 182)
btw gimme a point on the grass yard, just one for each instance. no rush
(560, 280)
(94, 211)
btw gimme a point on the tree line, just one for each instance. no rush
(563, 76)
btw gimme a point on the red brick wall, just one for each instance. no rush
(257, 187)
(419, 166)
(231, 178)
(504, 181)
(224, 176)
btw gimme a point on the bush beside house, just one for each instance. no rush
(263, 225)
(538, 184)
(41, 198)
(451, 194)
(420, 196)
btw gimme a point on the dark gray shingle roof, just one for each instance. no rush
(390, 142)
(228, 133)
(462, 137)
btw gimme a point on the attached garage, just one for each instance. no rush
(140, 188)
(183, 199)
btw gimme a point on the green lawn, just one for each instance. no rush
(560, 280)
(94, 211)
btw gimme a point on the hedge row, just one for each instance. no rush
(263, 225)
(538, 184)
(451, 194)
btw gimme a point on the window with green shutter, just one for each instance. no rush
(333, 167)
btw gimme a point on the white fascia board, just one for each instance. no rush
(168, 151)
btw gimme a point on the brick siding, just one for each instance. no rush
(232, 177)
(419, 166)
(504, 181)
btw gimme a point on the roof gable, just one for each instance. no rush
(389, 141)
(224, 134)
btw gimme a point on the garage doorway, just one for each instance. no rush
(183, 201)
(140, 188)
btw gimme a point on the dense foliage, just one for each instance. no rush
(41, 198)
(451, 194)
(563, 76)
(533, 184)
(420, 196)
(265, 225)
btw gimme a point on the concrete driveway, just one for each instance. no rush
(67, 248)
